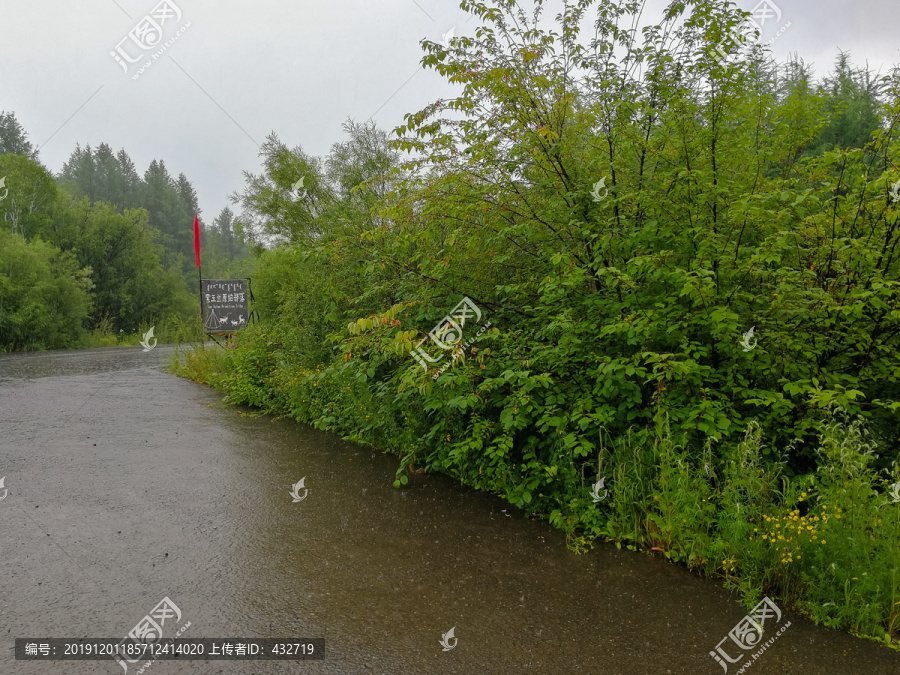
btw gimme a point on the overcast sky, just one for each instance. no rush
(241, 70)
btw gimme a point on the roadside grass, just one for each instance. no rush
(168, 331)
(826, 544)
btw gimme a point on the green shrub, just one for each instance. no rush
(620, 340)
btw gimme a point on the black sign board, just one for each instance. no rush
(225, 304)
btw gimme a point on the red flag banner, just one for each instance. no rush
(197, 239)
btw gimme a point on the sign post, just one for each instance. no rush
(226, 304)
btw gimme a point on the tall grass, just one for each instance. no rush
(826, 544)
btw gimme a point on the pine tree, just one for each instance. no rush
(13, 138)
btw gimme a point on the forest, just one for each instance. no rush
(97, 255)
(688, 264)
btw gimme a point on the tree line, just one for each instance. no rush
(99, 250)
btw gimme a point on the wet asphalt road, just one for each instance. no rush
(126, 485)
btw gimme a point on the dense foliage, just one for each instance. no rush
(623, 210)
(44, 295)
(99, 255)
(170, 203)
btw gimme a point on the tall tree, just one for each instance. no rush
(13, 138)
(30, 194)
(78, 173)
(167, 214)
(851, 103)
(108, 186)
(188, 196)
(225, 227)
(271, 208)
(131, 181)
